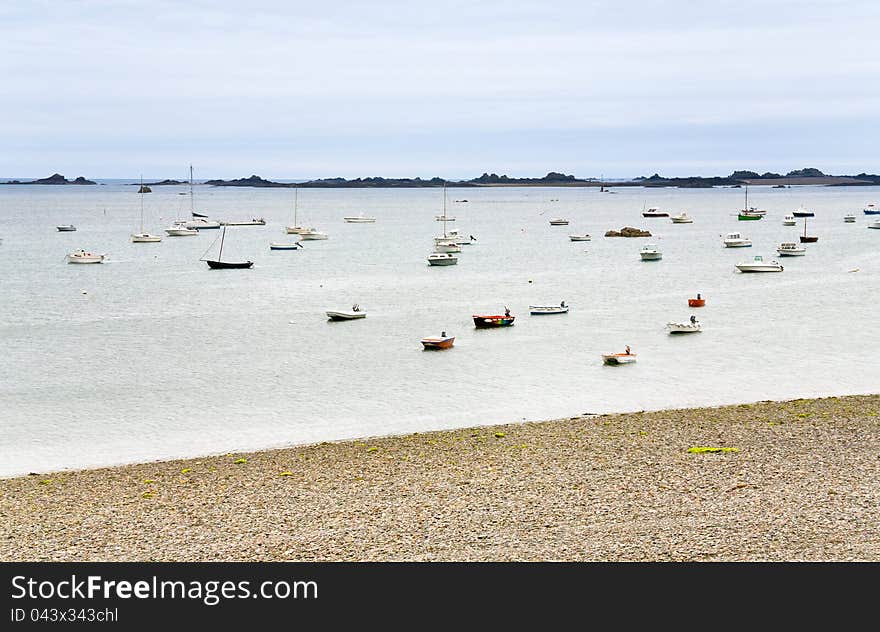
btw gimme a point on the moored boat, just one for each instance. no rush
(759, 265)
(559, 221)
(650, 252)
(201, 223)
(347, 314)
(789, 220)
(538, 310)
(613, 359)
(486, 321)
(438, 342)
(180, 229)
(871, 209)
(66, 228)
(654, 212)
(849, 218)
(682, 218)
(874, 224)
(285, 245)
(691, 327)
(748, 215)
(584, 237)
(311, 234)
(359, 219)
(790, 249)
(442, 259)
(802, 212)
(697, 302)
(81, 256)
(808, 239)
(736, 240)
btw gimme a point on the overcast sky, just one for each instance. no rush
(118, 88)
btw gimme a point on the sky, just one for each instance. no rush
(290, 89)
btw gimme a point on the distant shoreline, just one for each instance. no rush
(552, 179)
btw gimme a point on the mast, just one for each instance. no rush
(444, 208)
(142, 204)
(295, 201)
(192, 204)
(222, 237)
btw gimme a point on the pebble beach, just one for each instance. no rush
(791, 480)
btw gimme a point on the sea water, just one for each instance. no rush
(151, 355)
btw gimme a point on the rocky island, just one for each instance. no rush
(55, 178)
(628, 231)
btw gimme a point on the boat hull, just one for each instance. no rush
(580, 237)
(614, 359)
(228, 265)
(683, 328)
(282, 246)
(696, 302)
(443, 261)
(312, 236)
(85, 259)
(492, 321)
(650, 256)
(749, 217)
(541, 310)
(359, 220)
(331, 315)
(145, 239)
(437, 343)
(65, 229)
(753, 268)
(804, 214)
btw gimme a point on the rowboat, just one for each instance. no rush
(485, 321)
(438, 342)
(619, 358)
(66, 228)
(559, 222)
(579, 237)
(285, 245)
(684, 328)
(346, 314)
(537, 310)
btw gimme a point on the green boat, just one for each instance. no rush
(746, 216)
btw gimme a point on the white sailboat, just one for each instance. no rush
(179, 228)
(295, 229)
(143, 237)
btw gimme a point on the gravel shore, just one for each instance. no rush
(800, 481)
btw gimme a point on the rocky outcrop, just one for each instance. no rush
(55, 178)
(145, 189)
(253, 181)
(628, 231)
(164, 183)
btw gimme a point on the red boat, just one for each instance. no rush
(482, 321)
(697, 302)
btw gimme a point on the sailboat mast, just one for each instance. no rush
(444, 208)
(192, 203)
(222, 237)
(142, 203)
(295, 203)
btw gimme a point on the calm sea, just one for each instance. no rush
(151, 355)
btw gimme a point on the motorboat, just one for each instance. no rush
(650, 252)
(285, 245)
(613, 359)
(849, 218)
(654, 212)
(789, 220)
(145, 238)
(359, 219)
(690, 327)
(248, 222)
(749, 215)
(460, 239)
(558, 221)
(81, 256)
(351, 314)
(66, 228)
(802, 212)
(486, 321)
(871, 209)
(736, 240)
(538, 310)
(874, 224)
(759, 265)
(446, 246)
(697, 302)
(438, 342)
(312, 234)
(180, 229)
(442, 259)
(201, 223)
(682, 218)
(791, 249)
(580, 237)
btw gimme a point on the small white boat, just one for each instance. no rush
(791, 249)
(446, 247)
(312, 234)
(81, 256)
(201, 223)
(759, 265)
(248, 222)
(296, 230)
(66, 228)
(461, 240)
(691, 327)
(789, 220)
(736, 240)
(359, 219)
(849, 218)
(871, 209)
(650, 252)
(654, 212)
(681, 218)
(285, 245)
(539, 310)
(580, 237)
(145, 238)
(442, 259)
(180, 229)
(347, 314)
(619, 358)
(874, 224)
(559, 221)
